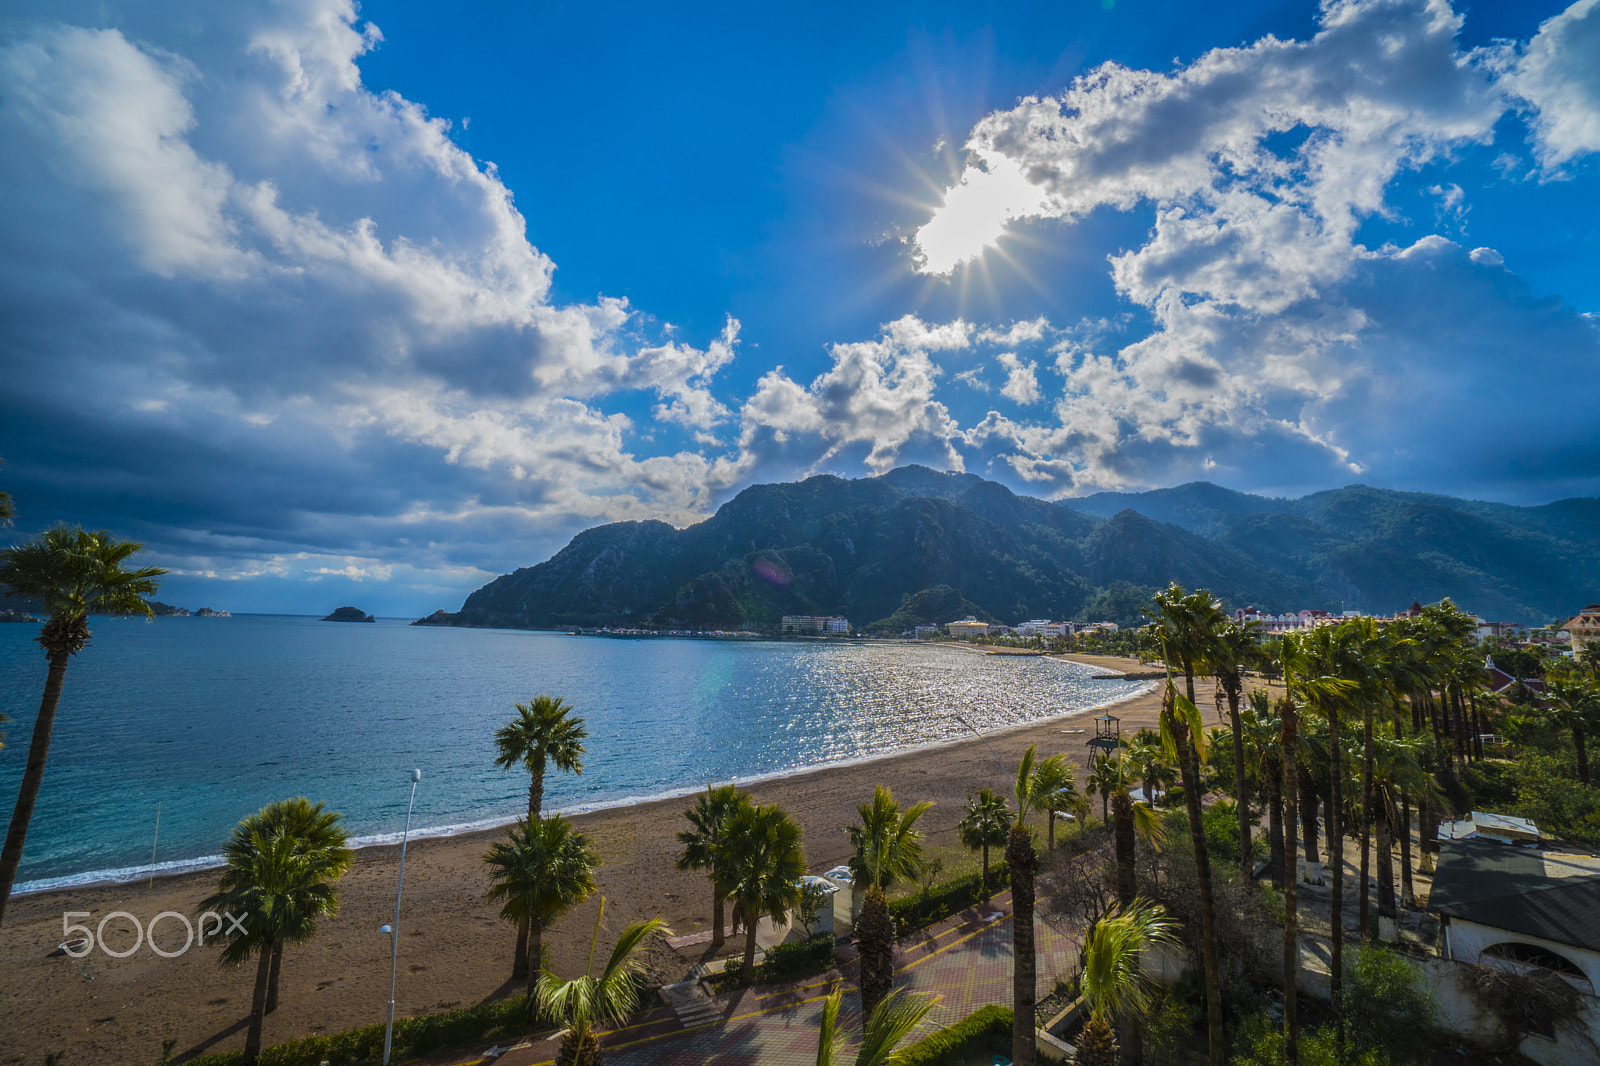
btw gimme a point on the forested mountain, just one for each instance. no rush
(918, 545)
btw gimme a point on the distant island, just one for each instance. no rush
(917, 546)
(167, 610)
(206, 612)
(349, 614)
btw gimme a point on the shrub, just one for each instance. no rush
(942, 900)
(1387, 1003)
(1260, 1043)
(948, 1045)
(785, 962)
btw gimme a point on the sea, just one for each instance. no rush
(171, 730)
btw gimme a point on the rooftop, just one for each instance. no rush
(1546, 893)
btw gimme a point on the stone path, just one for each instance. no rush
(964, 961)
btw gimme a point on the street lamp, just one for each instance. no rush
(394, 930)
(979, 735)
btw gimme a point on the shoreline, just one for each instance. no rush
(177, 868)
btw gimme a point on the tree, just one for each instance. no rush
(702, 844)
(7, 512)
(73, 573)
(760, 869)
(1187, 625)
(1113, 982)
(888, 849)
(890, 1022)
(316, 833)
(1056, 786)
(538, 873)
(985, 823)
(545, 731)
(1105, 774)
(1238, 644)
(1023, 862)
(1575, 706)
(591, 1000)
(278, 887)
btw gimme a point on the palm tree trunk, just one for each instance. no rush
(535, 950)
(749, 972)
(1282, 864)
(519, 962)
(1241, 788)
(1363, 909)
(1385, 847)
(32, 777)
(1051, 819)
(1292, 779)
(1428, 835)
(1189, 761)
(1580, 749)
(1336, 861)
(1019, 853)
(1477, 726)
(718, 917)
(272, 978)
(875, 932)
(1127, 873)
(258, 1006)
(535, 795)
(1408, 896)
(1307, 786)
(984, 875)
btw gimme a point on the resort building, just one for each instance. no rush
(1585, 629)
(927, 631)
(1042, 627)
(970, 627)
(814, 625)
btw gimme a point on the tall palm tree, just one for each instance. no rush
(1023, 861)
(591, 1000)
(538, 873)
(888, 849)
(1187, 625)
(985, 823)
(890, 1022)
(1055, 783)
(1237, 646)
(316, 833)
(1263, 754)
(702, 844)
(544, 732)
(279, 890)
(72, 572)
(1575, 705)
(760, 868)
(1113, 981)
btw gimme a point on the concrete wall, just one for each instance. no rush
(1459, 1013)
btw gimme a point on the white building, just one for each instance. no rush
(814, 624)
(1042, 627)
(963, 628)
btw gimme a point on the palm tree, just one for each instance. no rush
(1238, 644)
(538, 873)
(1104, 776)
(1055, 783)
(544, 731)
(1146, 763)
(1187, 624)
(760, 867)
(1023, 861)
(985, 823)
(316, 833)
(888, 849)
(279, 889)
(72, 572)
(1575, 705)
(702, 844)
(889, 1023)
(585, 1003)
(1263, 753)
(1113, 982)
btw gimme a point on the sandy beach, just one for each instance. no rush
(454, 952)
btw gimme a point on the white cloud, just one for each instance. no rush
(1022, 380)
(1558, 74)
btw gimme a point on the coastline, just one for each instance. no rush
(173, 868)
(454, 950)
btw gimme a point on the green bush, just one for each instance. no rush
(941, 900)
(1260, 1043)
(942, 1046)
(1549, 794)
(1387, 1003)
(785, 962)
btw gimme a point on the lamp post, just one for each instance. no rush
(979, 735)
(394, 930)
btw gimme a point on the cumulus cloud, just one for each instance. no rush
(1022, 379)
(1274, 354)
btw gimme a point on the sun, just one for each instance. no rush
(975, 214)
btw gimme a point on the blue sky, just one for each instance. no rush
(332, 304)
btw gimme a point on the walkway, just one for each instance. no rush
(965, 961)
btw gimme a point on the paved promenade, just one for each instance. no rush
(965, 961)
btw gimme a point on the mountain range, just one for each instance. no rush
(917, 545)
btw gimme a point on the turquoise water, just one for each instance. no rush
(212, 718)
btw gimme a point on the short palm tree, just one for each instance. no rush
(890, 1022)
(888, 849)
(1055, 783)
(985, 823)
(316, 833)
(760, 867)
(72, 572)
(585, 1003)
(702, 843)
(1105, 774)
(545, 731)
(279, 890)
(1113, 982)
(538, 873)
